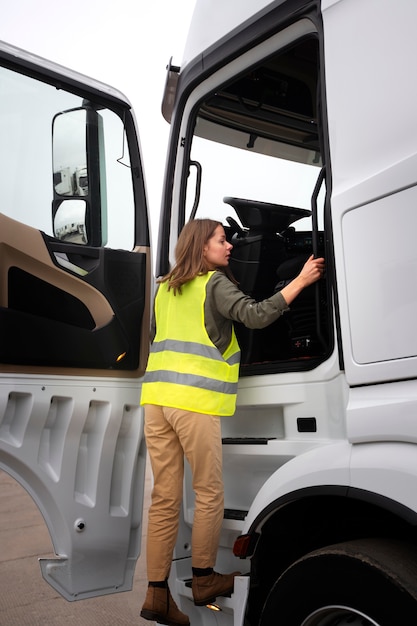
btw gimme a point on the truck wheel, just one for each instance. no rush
(368, 582)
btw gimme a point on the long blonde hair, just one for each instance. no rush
(189, 258)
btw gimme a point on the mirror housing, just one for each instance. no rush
(78, 184)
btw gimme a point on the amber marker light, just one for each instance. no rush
(213, 607)
(121, 357)
(242, 546)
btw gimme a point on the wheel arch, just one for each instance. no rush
(330, 496)
(313, 518)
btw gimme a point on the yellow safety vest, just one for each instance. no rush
(185, 369)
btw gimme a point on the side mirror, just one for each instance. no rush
(69, 221)
(79, 207)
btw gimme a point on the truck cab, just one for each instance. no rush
(284, 130)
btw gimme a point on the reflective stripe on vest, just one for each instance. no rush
(210, 352)
(185, 369)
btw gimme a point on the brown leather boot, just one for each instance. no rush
(207, 588)
(160, 607)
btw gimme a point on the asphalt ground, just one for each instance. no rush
(26, 599)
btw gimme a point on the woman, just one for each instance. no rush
(190, 383)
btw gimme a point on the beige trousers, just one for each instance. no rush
(172, 434)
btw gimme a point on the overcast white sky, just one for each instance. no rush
(125, 43)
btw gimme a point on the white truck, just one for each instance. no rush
(70, 181)
(293, 122)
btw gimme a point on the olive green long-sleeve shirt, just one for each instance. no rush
(226, 303)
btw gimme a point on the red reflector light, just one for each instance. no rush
(242, 545)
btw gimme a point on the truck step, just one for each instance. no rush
(236, 514)
(247, 441)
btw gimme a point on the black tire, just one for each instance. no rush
(359, 583)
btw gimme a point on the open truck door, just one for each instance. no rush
(74, 317)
